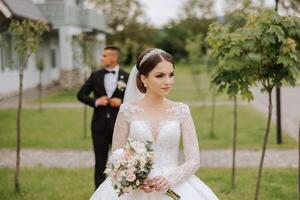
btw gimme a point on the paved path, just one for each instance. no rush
(290, 108)
(209, 158)
(79, 105)
(11, 100)
(45, 105)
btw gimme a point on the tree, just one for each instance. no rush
(198, 8)
(299, 162)
(144, 35)
(194, 46)
(291, 6)
(27, 35)
(170, 39)
(263, 51)
(119, 13)
(86, 43)
(40, 68)
(126, 18)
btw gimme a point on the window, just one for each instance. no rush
(53, 58)
(1, 60)
(7, 52)
(38, 1)
(10, 59)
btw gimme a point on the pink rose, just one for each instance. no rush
(131, 177)
(126, 155)
(131, 170)
(127, 189)
(137, 183)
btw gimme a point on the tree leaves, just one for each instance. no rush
(119, 13)
(27, 34)
(262, 49)
(194, 46)
(276, 30)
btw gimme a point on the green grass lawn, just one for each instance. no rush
(63, 129)
(250, 130)
(75, 184)
(277, 184)
(60, 96)
(51, 128)
(47, 184)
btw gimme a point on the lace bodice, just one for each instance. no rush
(164, 129)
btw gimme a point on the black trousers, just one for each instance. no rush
(101, 142)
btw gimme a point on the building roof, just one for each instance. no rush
(24, 9)
(4, 10)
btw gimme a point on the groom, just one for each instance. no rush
(108, 87)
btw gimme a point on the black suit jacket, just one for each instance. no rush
(103, 115)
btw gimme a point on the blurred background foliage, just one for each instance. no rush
(130, 29)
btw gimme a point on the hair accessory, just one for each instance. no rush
(151, 53)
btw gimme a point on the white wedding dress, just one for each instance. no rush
(164, 129)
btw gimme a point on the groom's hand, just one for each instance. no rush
(115, 102)
(102, 101)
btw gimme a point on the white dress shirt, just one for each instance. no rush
(110, 81)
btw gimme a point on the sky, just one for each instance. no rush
(159, 12)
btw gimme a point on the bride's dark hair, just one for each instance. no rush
(149, 64)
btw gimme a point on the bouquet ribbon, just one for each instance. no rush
(172, 194)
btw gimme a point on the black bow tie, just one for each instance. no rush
(106, 71)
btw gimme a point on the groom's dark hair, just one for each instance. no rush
(114, 49)
(149, 64)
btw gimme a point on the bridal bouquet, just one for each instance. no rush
(130, 166)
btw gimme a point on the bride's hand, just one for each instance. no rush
(147, 186)
(160, 183)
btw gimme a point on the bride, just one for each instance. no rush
(147, 114)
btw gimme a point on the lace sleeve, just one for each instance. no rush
(121, 129)
(191, 150)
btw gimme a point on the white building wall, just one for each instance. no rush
(9, 79)
(65, 46)
(99, 48)
(50, 73)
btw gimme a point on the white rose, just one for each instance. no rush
(143, 162)
(139, 147)
(116, 155)
(132, 163)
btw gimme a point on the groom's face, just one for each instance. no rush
(109, 58)
(161, 79)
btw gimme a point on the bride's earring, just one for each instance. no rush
(145, 85)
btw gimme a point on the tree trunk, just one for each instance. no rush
(85, 113)
(278, 116)
(264, 146)
(278, 103)
(212, 120)
(17, 173)
(299, 163)
(84, 121)
(40, 90)
(234, 143)
(276, 5)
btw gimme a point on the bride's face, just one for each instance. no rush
(161, 79)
